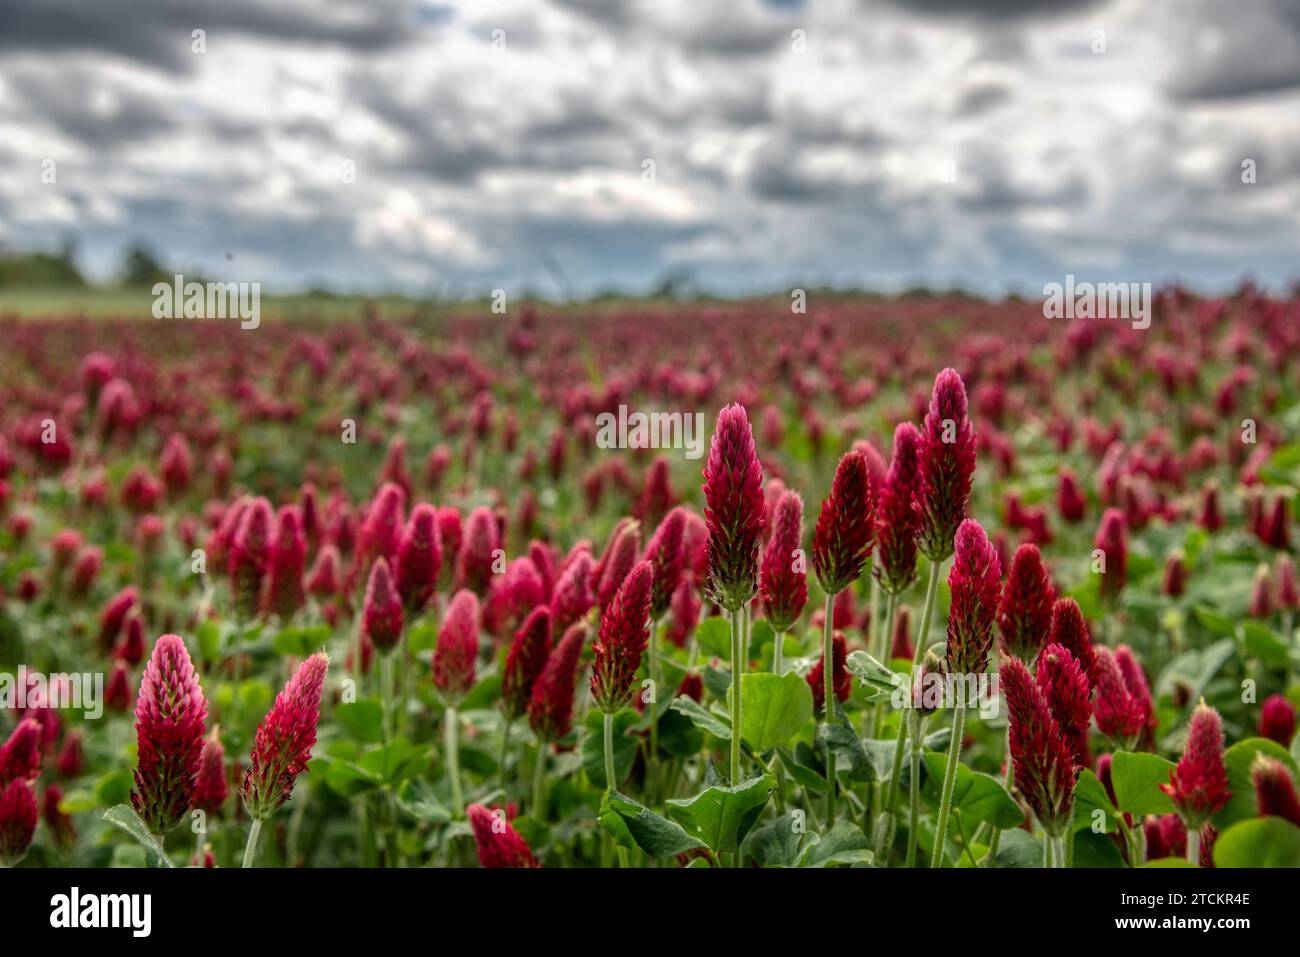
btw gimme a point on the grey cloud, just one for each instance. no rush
(1235, 50)
(996, 9)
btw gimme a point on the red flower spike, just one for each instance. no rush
(169, 714)
(282, 746)
(1275, 793)
(20, 756)
(210, 785)
(118, 693)
(56, 822)
(382, 532)
(573, 596)
(114, 614)
(1025, 614)
(782, 581)
(474, 564)
(457, 649)
(326, 579)
(841, 680)
(975, 582)
(497, 842)
(525, 661)
(622, 639)
(1277, 720)
(685, 607)
(1068, 628)
(419, 558)
(666, 556)
(1069, 498)
(550, 708)
(898, 518)
(1166, 836)
(1261, 594)
(1112, 540)
(286, 563)
(845, 528)
(901, 643)
(945, 466)
(1042, 760)
(1198, 785)
(623, 552)
(1065, 686)
(247, 557)
(1121, 717)
(1135, 680)
(17, 821)
(1175, 582)
(734, 511)
(381, 614)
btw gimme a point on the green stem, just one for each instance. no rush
(1193, 847)
(828, 676)
(250, 849)
(949, 781)
(1049, 851)
(922, 636)
(387, 695)
(737, 671)
(539, 779)
(451, 730)
(778, 653)
(502, 751)
(653, 756)
(609, 776)
(992, 854)
(914, 793)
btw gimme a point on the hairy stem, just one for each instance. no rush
(828, 676)
(949, 781)
(451, 729)
(250, 849)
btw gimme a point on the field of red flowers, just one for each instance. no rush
(396, 593)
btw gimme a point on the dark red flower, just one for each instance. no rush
(783, 580)
(841, 680)
(457, 650)
(57, 822)
(1166, 836)
(1211, 518)
(117, 693)
(114, 614)
(381, 614)
(550, 708)
(1042, 759)
(174, 464)
(498, 843)
(573, 596)
(1277, 720)
(72, 756)
(286, 563)
(20, 755)
(1275, 794)
(1198, 785)
(1025, 614)
(846, 526)
(1175, 575)
(282, 746)
(477, 552)
(169, 714)
(734, 510)
(1065, 686)
(898, 517)
(1121, 716)
(247, 557)
(1069, 629)
(1069, 498)
(1135, 680)
(17, 820)
(622, 640)
(623, 551)
(685, 607)
(326, 578)
(525, 661)
(975, 582)
(666, 556)
(382, 532)
(900, 645)
(945, 466)
(210, 784)
(1112, 541)
(419, 558)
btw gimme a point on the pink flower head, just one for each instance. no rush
(1112, 540)
(1277, 720)
(685, 608)
(117, 693)
(1198, 784)
(623, 552)
(474, 564)
(419, 558)
(1041, 757)
(114, 614)
(498, 843)
(572, 597)
(734, 511)
(1175, 582)
(282, 746)
(326, 578)
(175, 464)
(665, 554)
(841, 680)
(286, 562)
(544, 561)
(1065, 687)
(451, 534)
(846, 526)
(898, 520)
(20, 756)
(57, 822)
(1068, 628)
(1211, 518)
(1069, 498)
(512, 596)
(382, 532)
(783, 581)
(457, 649)
(381, 614)
(1121, 715)
(1025, 615)
(210, 784)
(248, 556)
(525, 661)
(622, 640)
(1135, 680)
(656, 496)
(1261, 594)
(946, 466)
(550, 708)
(975, 582)
(169, 714)
(17, 820)
(1288, 588)
(1275, 794)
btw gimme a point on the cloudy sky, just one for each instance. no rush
(458, 147)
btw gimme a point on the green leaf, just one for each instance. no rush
(1259, 842)
(845, 844)
(702, 719)
(774, 845)
(653, 833)
(1095, 850)
(851, 757)
(416, 798)
(422, 637)
(721, 816)
(208, 635)
(776, 707)
(1090, 796)
(1019, 849)
(395, 762)
(1136, 778)
(593, 746)
(124, 816)
(301, 642)
(974, 793)
(1237, 760)
(363, 719)
(760, 634)
(1215, 622)
(1264, 643)
(802, 770)
(879, 680)
(714, 637)
(113, 788)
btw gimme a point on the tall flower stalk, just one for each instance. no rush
(453, 676)
(736, 515)
(783, 581)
